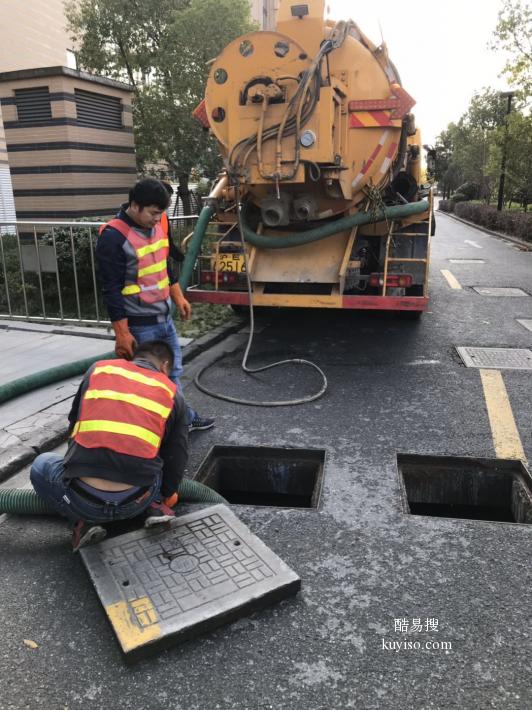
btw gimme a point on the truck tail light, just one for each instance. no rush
(224, 277)
(392, 280)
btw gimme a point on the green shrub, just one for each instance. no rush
(517, 224)
(446, 206)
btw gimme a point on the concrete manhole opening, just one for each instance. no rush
(467, 488)
(263, 475)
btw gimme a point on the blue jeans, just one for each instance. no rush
(165, 331)
(46, 476)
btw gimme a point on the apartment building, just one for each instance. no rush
(66, 136)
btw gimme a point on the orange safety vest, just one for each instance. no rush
(125, 409)
(165, 224)
(152, 284)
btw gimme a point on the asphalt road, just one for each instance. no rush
(394, 387)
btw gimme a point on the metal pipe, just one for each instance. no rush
(39, 271)
(5, 272)
(95, 285)
(194, 245)
(22, 274)
(57, 275)
(74, 267)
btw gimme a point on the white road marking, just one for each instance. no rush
(472, 243)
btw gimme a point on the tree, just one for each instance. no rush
(161, 47)
(466, 145)
(518, 157)
(514, 35)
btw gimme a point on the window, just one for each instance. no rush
(33, 104)
(98, 110)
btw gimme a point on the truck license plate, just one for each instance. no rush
(231, 262)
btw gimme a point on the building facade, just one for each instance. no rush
(66, 137)
(69, 138)
(265, 13)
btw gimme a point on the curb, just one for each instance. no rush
(526, 245)
(14, 458)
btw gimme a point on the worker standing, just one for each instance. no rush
(127, 450)
(138, 279)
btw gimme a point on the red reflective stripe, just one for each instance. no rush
(383, 119)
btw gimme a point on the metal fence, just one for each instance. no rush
(48, 271)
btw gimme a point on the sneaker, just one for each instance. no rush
(86, 534)
(158, 513)
(200, 423)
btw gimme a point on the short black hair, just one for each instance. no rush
(149, 191)
(156, 348)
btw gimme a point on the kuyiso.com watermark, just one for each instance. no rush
(409, 628)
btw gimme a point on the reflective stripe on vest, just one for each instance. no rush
(125, 408)
(152, 283)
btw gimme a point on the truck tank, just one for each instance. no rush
(321, 149)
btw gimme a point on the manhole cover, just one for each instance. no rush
(499, 291)
(496, 358)
(265, 475)
(467, 261)
(207, 569)
(525, 322)
(468, 488)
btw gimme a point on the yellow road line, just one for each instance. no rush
(506, 439)
(451, 280)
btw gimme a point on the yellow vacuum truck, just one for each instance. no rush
(323, 184)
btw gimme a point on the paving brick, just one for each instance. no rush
(154, 598)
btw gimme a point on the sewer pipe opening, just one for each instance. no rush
(467, 488)
(265, 476)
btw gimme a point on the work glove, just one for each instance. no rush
(125, 343)
(182, 305)
(171, 501)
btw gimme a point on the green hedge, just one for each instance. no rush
(517, 224)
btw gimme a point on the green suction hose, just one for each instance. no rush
(194, 245)
(330, 228)
(24, 501)
(48, 377)
(293, 240)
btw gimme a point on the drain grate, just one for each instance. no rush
(497, 490)
(500, 291)
(467, 261)
(496, 358)
(207, 569)
(525, 322)
(263, 475)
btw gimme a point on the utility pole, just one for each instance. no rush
(509, 96)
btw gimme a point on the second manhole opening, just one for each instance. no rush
(474, 489)
(263, 475)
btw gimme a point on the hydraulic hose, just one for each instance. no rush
(24, 501)
(330, 228)
(48, 377)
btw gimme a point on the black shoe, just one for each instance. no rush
(200, 423)
(158, 513)
(86, 534)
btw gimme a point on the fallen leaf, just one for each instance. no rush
(30, 644)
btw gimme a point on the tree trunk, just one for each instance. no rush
(183, 192)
